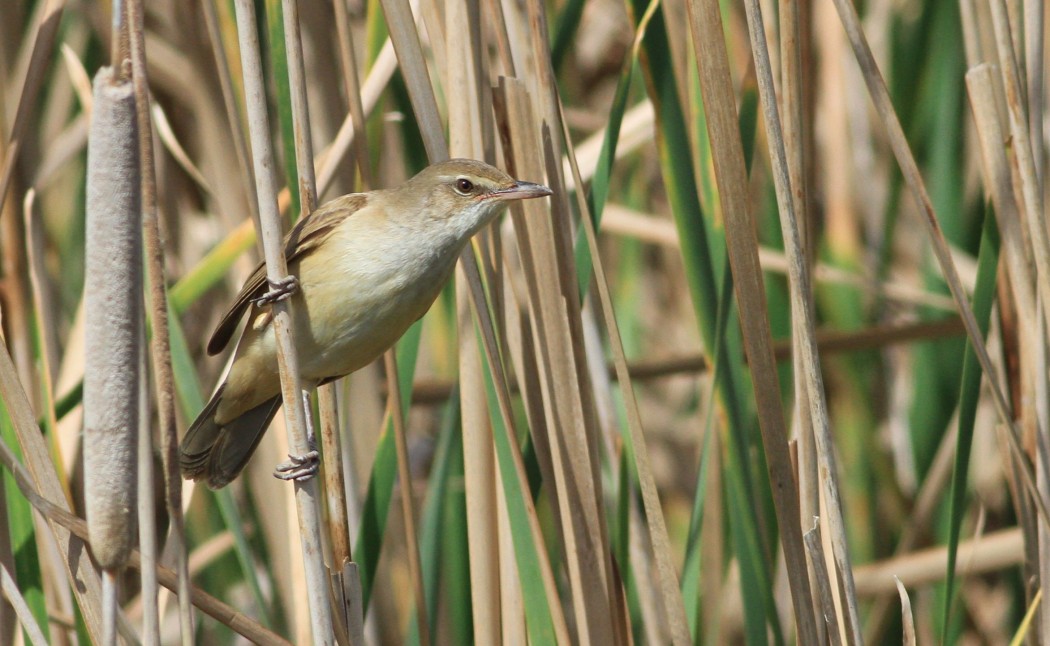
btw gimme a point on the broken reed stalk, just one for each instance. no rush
(113, 311)
(306, 492)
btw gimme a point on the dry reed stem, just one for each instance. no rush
(334, 480)
(159, 345)
(408, 514)
(334, 492)
(58, 515)
(352, 87)
(908, 638)
(488, 336)
(483, 477)
(657, 529)
(480, 479)
(789, 198)
(40, 58)
(829, 632)
(85, 581)
(306, 492)
(233, 114)
(727, 153)
(13, 595)
(880, 97)
(988, 553)
(1031, 195)
(403, 34)
(980, 83)
(586, 553)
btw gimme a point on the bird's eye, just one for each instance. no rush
(464, 186)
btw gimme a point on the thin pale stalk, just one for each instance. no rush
(109, 608)
(1034, 40)
(815, 548)
(354, 606)
(12, 594)
(908, 639)
(480, 481)
(980, 85)
(352, 87)
(727, 153)
(1031, 195)
(304, 153)
(229, 100)
(788, 199)
(480, 466)
(408, 514)
(158, 304)
(306, 498)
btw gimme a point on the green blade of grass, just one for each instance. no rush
(969, 394)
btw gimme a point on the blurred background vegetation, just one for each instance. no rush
(925, 461)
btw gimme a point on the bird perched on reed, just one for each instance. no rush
(366, 266)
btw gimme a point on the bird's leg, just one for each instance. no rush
(279, 290)
(306, 466)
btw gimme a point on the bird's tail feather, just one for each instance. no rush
(217, 454)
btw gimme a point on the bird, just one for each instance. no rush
(363, 267)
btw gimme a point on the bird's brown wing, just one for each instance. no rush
(305, 236)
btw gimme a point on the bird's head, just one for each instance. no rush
(465, 194)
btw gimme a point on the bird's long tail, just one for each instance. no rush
(217, 454)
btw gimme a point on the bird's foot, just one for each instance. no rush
(299, 467)
(279, 290)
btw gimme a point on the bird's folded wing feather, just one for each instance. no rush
(307, 234)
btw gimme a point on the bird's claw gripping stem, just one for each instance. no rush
(302, 467)
(279, 290)
(299, 467)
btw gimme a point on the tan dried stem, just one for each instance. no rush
(306, 492)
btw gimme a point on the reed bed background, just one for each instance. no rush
(770, 366)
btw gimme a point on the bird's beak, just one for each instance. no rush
(520, 191)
